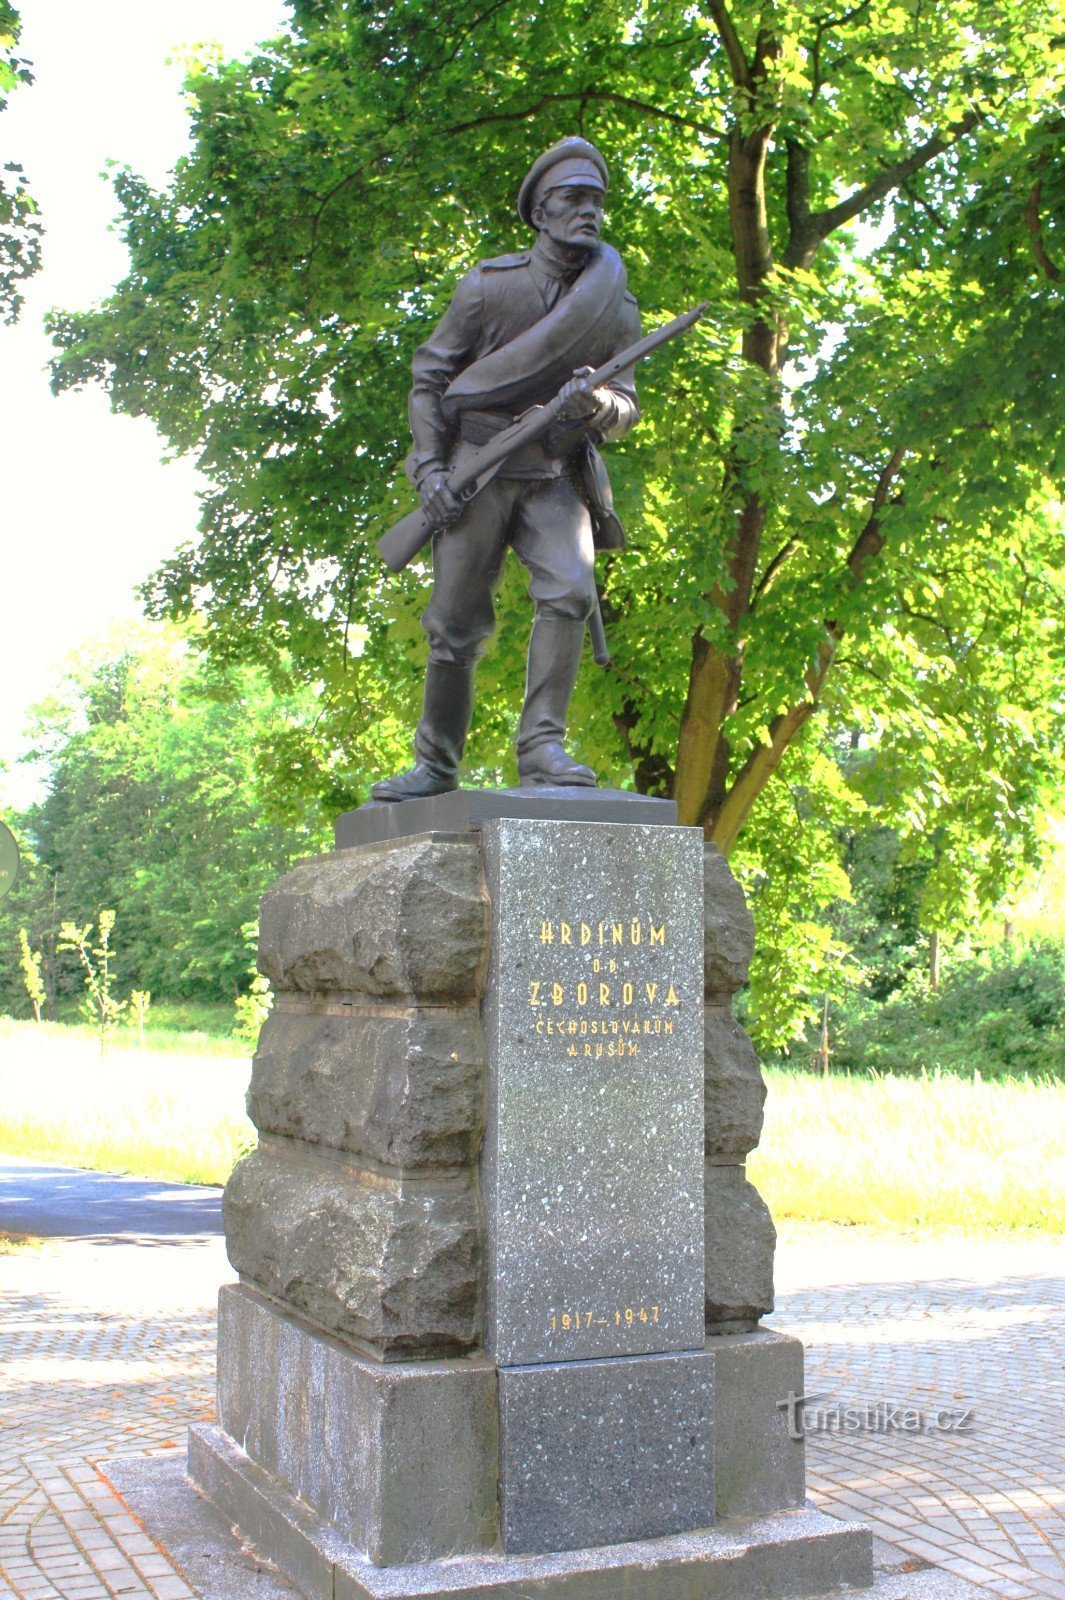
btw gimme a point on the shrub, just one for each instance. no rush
(999, 1014)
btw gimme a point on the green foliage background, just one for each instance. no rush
(902, 593)
(1001, 1014)
(160, 806)
(20, 223)
(163, 803)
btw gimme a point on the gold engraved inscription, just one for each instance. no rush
(634, 931)
(602, 1014)
(601, 994)
(580, 1320)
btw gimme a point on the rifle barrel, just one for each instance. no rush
(649, 343)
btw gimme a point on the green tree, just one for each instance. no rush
(839, 497)
(31, 907)
(253, 1006)
(20, 225)
(998, 1013)
(882, 923)
(161, 804)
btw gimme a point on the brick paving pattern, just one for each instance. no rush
(105, 1350)
(938, 1330)
(109, 1349)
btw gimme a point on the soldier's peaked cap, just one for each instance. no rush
(572, 161)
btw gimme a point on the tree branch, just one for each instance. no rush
(1035, 230)
(809, 231)
(870, 541)
(824, 25)
(822, 223)
(586, 95)
(765, 582)
(763, 761)
(659, 111)
(767, 48)
(469, 28)
(930, 211)
(933, 622)
(741, 71)
(639, 45)
(797, 190)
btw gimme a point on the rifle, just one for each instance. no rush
(473, 469)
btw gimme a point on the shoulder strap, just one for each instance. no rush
(517, 258)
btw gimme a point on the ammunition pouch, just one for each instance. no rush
(593, 485)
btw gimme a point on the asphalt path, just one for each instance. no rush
(69, 1203)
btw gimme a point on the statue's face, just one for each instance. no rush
(571, 215)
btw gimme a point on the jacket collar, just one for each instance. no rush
(549, 261)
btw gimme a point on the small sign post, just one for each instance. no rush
(8, 859)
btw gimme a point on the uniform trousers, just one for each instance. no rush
(549, 527)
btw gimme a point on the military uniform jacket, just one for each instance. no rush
(500, 299)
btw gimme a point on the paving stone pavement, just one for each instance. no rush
(108, 1349)
(949, 1355)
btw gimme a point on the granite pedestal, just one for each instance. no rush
(501, 1269)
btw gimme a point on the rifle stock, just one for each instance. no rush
(404, 539)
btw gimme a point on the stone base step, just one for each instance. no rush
(789, 1553)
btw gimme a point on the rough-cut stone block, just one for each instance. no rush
(735, 1092)
(600, 1452)
(399, 1459)
(406, 921)
(405, 1088)
(799, 1552)
(758, 1467)
(393, 1264)
(740, 1241)
(728, 927)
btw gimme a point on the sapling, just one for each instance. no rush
(30, 962)
(99, 1007)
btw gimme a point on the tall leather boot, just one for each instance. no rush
(554, 660)
(440, 737)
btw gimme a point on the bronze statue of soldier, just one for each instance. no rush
(521, 330)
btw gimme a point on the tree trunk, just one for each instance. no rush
(821, 1060)
(701, 777)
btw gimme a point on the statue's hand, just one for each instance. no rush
(577, 397)
(439, 504)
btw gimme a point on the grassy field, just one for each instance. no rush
(890, 1153)
(176, 1114)
(907, 1153)
(170, 1030)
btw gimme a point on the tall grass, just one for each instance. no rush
(177, 1116)
(904, 1153)
(187, 1031)
(894, 1153)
